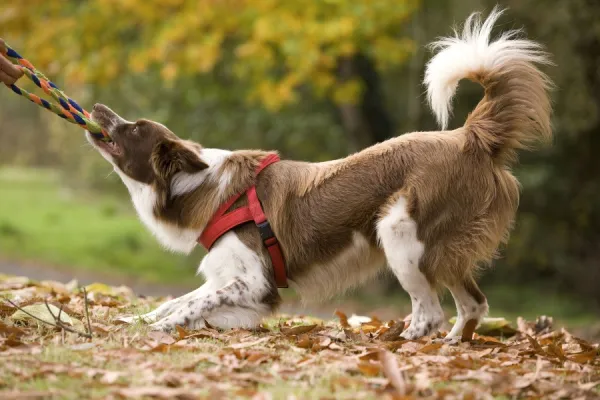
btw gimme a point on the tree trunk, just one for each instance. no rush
(366, 122)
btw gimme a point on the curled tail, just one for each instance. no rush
(515, 110)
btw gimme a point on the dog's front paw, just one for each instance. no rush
(127, 319)
(162, 327)
(132, 319)
(169, 324)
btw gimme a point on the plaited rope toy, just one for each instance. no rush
(69, 109)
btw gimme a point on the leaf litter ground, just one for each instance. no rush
(288, 357)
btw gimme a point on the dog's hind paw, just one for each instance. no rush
(452, 341)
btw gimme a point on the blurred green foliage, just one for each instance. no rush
(315, 80)
(41, 219)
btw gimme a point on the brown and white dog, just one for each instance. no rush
(433, 205)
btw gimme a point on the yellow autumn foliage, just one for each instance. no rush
(275, 47)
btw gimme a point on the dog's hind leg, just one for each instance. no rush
(398, 235)
(471, 304)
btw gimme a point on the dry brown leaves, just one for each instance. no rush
(288, 357)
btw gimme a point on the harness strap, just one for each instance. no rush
(223, 221)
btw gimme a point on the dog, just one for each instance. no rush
(432, 206)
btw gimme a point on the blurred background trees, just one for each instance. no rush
(315, 80)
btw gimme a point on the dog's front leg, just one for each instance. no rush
(235, 305)
(238, 293)
(168, 307)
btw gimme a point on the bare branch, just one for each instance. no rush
(87, 313)
(59, 324)
(60, 311)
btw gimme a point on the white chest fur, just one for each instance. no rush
(170, 236)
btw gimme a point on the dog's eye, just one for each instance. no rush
(135, 130)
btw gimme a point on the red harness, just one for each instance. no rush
(223, 221)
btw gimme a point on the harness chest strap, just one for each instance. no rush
(223, 221)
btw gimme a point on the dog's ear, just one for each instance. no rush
(171, 156)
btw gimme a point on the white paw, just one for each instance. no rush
(130, 319)
(169, 323)
(146, 318)
(162, 326)
(422, 325)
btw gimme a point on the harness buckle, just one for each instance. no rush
(266, 233)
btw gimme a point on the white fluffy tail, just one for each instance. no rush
(516, 90)
(515, 110)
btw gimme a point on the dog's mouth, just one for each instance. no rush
(111, 147)
(101, 116)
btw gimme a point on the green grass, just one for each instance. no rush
(532, 301)
(42, 220)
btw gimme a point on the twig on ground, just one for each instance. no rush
(60, 311)
(59, 323)
(87, 313)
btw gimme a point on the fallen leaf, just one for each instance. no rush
(249, 344)
(585, 346)
(159, 392)
(41, 312)
(394, 333)
(389, 364)
(304, 342)
(161, 337)
(205, 333)
(367, 328)
(256, 357)
(536, 346)
(7, 330)
(161, 348)
(557, 351)
(428, 348)
(100, 288)
(351, 335)
(369, 368)
(297, 330)
(584, 357)
(343, 319)
(493, 327)
(11, 341)
(468, 330)
(589, 385)
(487, 340)
(371, 355)
(182, 332)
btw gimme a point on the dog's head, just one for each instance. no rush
(145, 151)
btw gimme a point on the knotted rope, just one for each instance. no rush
(71, 111)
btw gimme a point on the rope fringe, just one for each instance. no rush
(68, 110)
